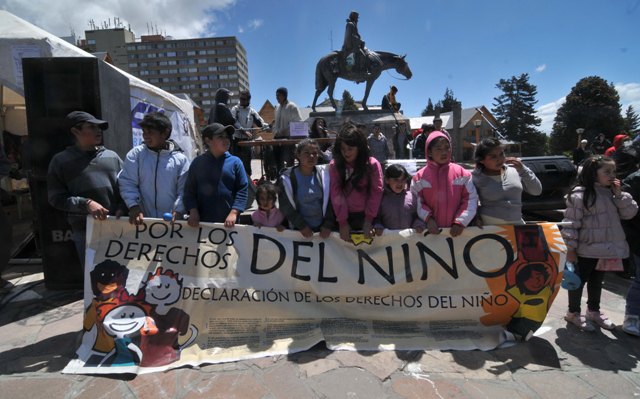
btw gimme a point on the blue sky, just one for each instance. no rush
(466, 46)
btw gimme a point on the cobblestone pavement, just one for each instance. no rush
(40, 331)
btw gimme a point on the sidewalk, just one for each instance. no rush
(41, 330)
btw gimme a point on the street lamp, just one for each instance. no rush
(477, 123)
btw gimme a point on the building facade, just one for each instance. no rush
(112, 41)
(196, 67)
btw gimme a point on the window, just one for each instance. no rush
(171, 53)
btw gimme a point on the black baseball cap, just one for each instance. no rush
(216, 129)
(75, 118)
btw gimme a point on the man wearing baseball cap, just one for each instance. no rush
(217, 187)
(83, 179)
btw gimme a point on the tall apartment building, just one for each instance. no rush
(113, 41)
(197, 67)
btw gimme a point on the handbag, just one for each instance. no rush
(610, 265)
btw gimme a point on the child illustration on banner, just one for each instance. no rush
(529, 285)
(161, 290)
(108, 280)
(126, 320)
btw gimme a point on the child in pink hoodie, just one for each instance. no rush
(446, 194)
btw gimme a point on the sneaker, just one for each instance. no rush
(631, 325)
(600, 319)
(579, 321)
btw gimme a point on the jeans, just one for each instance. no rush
(586, 269)
(633, 296)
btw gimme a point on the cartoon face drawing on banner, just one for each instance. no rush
(123, 323)
(162, 290)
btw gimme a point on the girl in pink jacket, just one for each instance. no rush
(355, 181)
(446, 194)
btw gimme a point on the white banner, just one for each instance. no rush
(164, 295)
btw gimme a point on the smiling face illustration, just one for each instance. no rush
(124, 320)
(162, 290)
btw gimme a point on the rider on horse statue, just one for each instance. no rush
(353, 49)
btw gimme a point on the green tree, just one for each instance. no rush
(348, 103)
(429, 110)
(631, 121)
(515, 110)
(447, 103)
(594, 105)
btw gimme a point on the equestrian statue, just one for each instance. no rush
(355, 63)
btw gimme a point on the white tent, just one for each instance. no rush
(19, 39)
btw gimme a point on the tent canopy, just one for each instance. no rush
(19, 39)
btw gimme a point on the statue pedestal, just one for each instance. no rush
(386, 119)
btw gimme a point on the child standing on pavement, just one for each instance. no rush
(356, 183)
(398, 209)
(267, 215)
(595, 235)
(446, 194)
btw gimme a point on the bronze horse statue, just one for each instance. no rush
(332, 66)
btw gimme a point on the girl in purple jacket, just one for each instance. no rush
(594, 235)
(398, 209)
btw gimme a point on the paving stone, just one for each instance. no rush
(233, 385)
(346, 383)
(318, 367)
(381, 364)
(495, 390)
(464, 364)
(284, 382)
(600, 381)
(415, 388)
(154, 385)
(35, 387)
(556, 385)
(101, 387)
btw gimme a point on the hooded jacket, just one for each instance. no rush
(154, 180)
(445, 192)
(617, 142)
(597, 232)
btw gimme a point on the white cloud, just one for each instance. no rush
(255, 23)
(240, 29)
(179, 19)
(541, 68)
(629, 95)
(547, 113)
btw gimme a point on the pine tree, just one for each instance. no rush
(631, 121)
(430, 110)
(348, 103)
(594, 105)
(515, 110)
(447, 103)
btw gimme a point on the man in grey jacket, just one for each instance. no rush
(154, 173)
